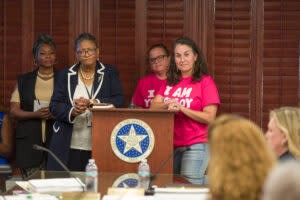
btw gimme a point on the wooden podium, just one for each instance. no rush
(105, 120)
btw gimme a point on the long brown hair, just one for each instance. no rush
(200, 66)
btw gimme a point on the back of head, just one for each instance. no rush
(240, 159)
(43, 39)
(283, 182)
(288, 121)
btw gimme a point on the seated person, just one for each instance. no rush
(283, 132)
(283, 182)
(6, 136)
(148, 86)
(240, 159)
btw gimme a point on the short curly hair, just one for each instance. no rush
(240, 159)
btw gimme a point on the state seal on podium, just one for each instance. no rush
(132, 140)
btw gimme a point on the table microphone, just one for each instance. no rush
(181, 149)
(150, 190)
(40, 148)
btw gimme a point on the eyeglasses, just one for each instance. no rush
(158, 59)
(89, 52)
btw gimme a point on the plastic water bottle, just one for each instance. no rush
(144, 174)
(91, 176)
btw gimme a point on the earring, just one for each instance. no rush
(34, 62)
(283, 143)
(55, 62)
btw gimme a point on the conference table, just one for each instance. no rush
(107, 179)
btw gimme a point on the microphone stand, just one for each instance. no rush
(150, 190)
(40, 148)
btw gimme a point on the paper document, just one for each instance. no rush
(56, 185)
(29, 196)
(39, 104)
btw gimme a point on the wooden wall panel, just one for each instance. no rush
(11, 53)
(232, 55)
(252, 46)
(164, 23)
(117, 39)
(281, 55)
(60, 32)
(2, 50)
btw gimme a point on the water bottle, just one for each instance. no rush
(91, 176)
(144, 174)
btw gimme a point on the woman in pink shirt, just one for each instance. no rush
(148, 86)
(193, 95)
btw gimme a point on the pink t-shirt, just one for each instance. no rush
(146, 90)
(194, 96)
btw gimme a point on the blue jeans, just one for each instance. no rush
(192, 163)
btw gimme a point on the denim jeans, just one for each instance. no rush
(192, 163)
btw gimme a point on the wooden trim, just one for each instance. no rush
(299, 72)
(72, 33)
(211, 38)
(256, 111)
(27, 35)
(196, 16)
(95, 7)
(140, 36)
(203, 30)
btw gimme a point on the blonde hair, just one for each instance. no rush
(288, 121)
(240, 159)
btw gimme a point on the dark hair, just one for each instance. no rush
(85, 36)
(43, 39)
(200, 66)
(163, 47)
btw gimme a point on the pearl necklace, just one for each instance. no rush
(84, 77)
(45, 75)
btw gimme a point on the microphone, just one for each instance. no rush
(150, 190)
(40, 148)
(181, 150)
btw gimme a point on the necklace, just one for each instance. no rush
(45, 75)
(84, 77)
